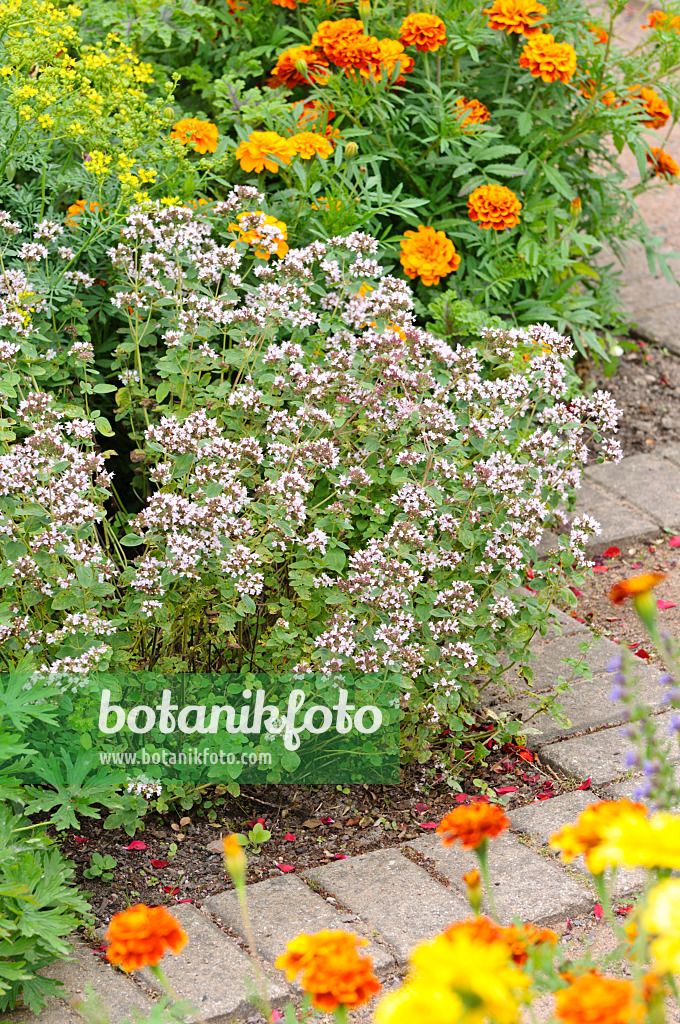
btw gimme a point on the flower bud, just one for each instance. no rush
(301, 67)
(169, 113)
(364, 10)
(234, 858)
(473, 882)
(351, 150)
(576, 208)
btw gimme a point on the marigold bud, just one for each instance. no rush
(169, 114)
(301, 67)
(234, 858)
(576, 208)
(364, 10)
(473, 881)
(351, 150)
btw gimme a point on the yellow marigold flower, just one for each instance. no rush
(548, 60)
(140, 935)
(635, 842)
(592, 829)
(600, 35)
(428, 254)
(426, 32)
(494, 206)
(330, 968)
(76, 209)
(472, 825)
(656, 109)
(525, 17)
(661, 918)
(664, 165)
(200, 135)
(286, 73)
(470, 112)
(253, 234)
(309, 144)
(599, 1000)
(256, 153)
(392, 52)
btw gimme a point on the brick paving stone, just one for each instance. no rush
(620, 525)
(629, 788)
(647, 482)
(281, 908)
(394, 896)
(526, 884)
(212, 973)
(56, 1012)
(652, 301)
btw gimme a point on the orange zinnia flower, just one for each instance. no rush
(428, 254)
(255, 154)
(548, 60)
(331, 969)
(426, 32)
(200, 135)
(635, 586)
(663, 164)
(657, 109)
(525, 17)
(309, 144)
(471, 825)
(599, 1000)
(591, 827)
(140, 935)
(285, 72)
(600, 35)
(494, 206)
(75, 209)
(474, 112)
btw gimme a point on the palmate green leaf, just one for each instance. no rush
(22, 699)
(77, 787)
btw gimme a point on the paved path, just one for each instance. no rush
(400, 895)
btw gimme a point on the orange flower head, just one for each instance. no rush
(657, 110)
(356, 53)
(600, 35)
(663, 164)
(470, 112)
(518, 938)
(200, 135)
(592, 825)
(548, 60)
(525, 17)
(599, 1000)
(329, 33)
(235, 6)
(494, 206)
(289, 4)
(428, 254)
(310, 144)
(258, 151)
(331, 969)
(315, 115)
(139, 936)
(471, 825)
(391, 53)
(659, 19)
(426, 32)
(76, 209)
(286, 73)
(266, 234)
(635, 586)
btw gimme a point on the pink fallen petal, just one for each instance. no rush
(461, 798)
(340, 856)
(289, 837)
(506, 789)
(276, 1015)
(421, 807)
(585, 785)
(79, 839)
(600, 568)
(576, 592)
(665, 604)
(612, 552)
(327, 820)
(674, 542)
(184, 901)
(284, 867)
(597, 911)
(137, 844)
(159, 863)
(427, 824)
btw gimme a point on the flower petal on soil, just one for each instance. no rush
(585, 785)
(506, 789)
(421, 807)
(665, 604)
(137, 844)
(597, 911)
(427, 824)
(284, 867)
(612, 552)
(289, 837)
(642, 653)
(600, 568)
(159, 863)
(674, 542)
(171, 889)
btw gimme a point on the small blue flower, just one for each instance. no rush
(631, 759)
(615, 663)
(617, 693)
(665, 679)
(644, 789)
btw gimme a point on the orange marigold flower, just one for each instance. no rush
(657, 109)
(548, 60)
(331, 969)
(599, 1000)
(315, 115)
(635, 586)
(591, 827)
(139, 936)
(325, 204)
(661, 19)
(471, 825)
(356, 53)
(74, 211)
(200, 135)
(428, 254)
(426, 32)
(328, 33)
(250, 229)
(600, 35)
(255, 154)
(663, 164)
(286, 73)
(235, 6)
(518, 938)
(309, 144)
(494, 206)
(391, 53)
(525, 17)
(471, 112)
(290, 4)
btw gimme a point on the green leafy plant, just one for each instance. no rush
(255, 838)
(101, 867)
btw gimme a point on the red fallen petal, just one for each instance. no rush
(172, 889)
(525, 754)
(327, 820)
(427, 824)
(100, 949)
(159, 863)
(642, 654)
(461, 798)
(531, 591)
(530, 574)
(638, 565)
(340, 856)
(578, 618)
(585, 785)
(184, 901)
(137, 844)
(421, 808)
(665, 604)
(597, 911)
(600, 568)
(576, 591)
(612, 552)
(276, 1015)
(674, 542)
(506, 789)
(289, 837)
(79, 839)
(544, 796)
(624, 910)
(481, 800)
(256, 821)
(284, 867)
